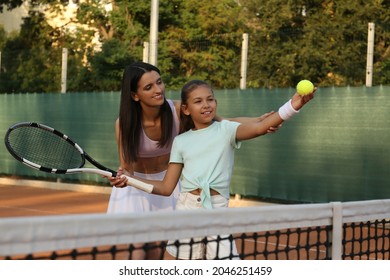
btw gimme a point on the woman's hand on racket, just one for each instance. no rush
(119, 181)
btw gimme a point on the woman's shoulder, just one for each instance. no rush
(176, 104)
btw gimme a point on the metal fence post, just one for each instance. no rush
(64, 69)
(153, 32)
(244, 60)
(370, 53)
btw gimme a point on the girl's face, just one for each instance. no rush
(201, 106)
(151, 89)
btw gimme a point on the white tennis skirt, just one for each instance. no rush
(132, 200)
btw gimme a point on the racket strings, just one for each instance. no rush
(45, 148)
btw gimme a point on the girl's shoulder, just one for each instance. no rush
(229, 123)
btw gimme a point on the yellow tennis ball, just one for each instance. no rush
(305, 87)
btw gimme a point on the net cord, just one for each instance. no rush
(36, 234)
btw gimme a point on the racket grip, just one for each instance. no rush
(139, 184)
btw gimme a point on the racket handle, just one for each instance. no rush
(139, 184)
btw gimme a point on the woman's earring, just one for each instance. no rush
(135, 97)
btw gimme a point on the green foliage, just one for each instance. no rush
(9, 4)
(3, 37)
(30, 62)
(107, 66)
(203, 46)
(324, 41)
(321, 40)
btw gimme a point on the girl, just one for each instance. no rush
(202, 158)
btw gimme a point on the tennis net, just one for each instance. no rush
(348, 230)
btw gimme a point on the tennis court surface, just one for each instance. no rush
(38, 223)
(40, 198)
(16, 201)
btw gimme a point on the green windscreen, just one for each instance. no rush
(336, 149)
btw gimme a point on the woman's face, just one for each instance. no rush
(151, 89)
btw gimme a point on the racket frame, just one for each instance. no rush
(99, 170)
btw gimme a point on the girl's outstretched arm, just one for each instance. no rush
(251, 120)
(220, 118)
(236, 119)
(245, 119)
(251, 130)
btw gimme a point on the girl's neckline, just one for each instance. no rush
(204, 128)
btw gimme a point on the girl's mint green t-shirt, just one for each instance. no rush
(207, 156)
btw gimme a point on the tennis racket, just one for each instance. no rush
(47, 149)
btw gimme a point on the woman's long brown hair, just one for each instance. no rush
(130, 113)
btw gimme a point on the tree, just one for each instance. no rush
(202, 46)
(324, 41)
(9, 4)
(3, 37)
(107, 66)
(31, 62)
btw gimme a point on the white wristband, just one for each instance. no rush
(287, 111)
